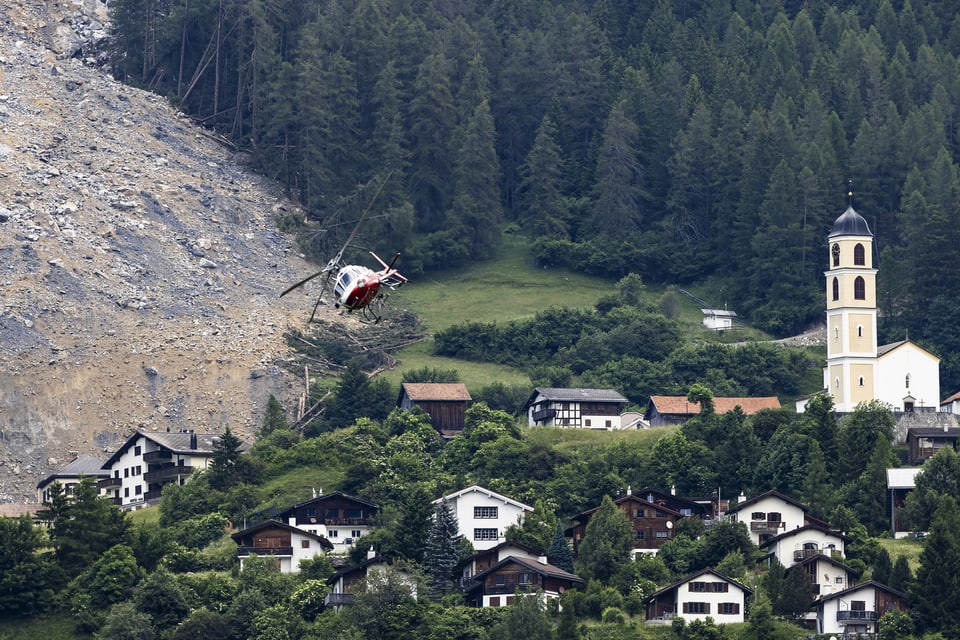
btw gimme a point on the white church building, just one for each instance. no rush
(901, 374)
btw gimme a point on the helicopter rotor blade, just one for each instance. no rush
(303, 282)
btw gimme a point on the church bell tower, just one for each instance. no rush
(851, 372)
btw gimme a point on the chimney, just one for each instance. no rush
(741, 498)
(673, 489)
(193, 441)
(371, 553)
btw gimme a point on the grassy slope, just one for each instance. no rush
(509, 287)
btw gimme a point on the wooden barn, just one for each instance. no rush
(444, 402)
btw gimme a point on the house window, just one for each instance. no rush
(485, 534)
(126, 472)
(774, 516)
(662, 534)
(698, 586)
(859, 257)
(333, 533)
(661, 514)
(126, 492)
(641, 535)
(696, 607)
(908, 381)
(304, 544)
(728, 608)
(861, 381)
(311, 513)
(859, 330)
(719, 587)
(481, 513)
(639, 513)
(332, 514)
(859, 289)
(137, 490)
(355, 533)
(137, 450)
(586, 422)
(858, 605)
(686, 512)
(758, 515)
(839, 580)
(495, 601)
(355, 513)
(526, 578)
(500, 580)
(836, 255)
(836, 289)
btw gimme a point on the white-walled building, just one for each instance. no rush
(288, 545)
(768, 515)
(575, 408)
(140, 468)
(483, 515)
(706, 594)
(795, 545)
(69, 476)
(340, 518)
(857, 610)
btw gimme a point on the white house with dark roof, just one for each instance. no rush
(768, 515)
(340, 518)
(483, 515)
(287, 544)
(706, 594)
(84, 466)
(148, 461)
(827, 575)
(857, 609)
(795, 545)
(576, 408)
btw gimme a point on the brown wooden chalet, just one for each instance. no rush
(344, 582)
(670, 410)
(486, 558)
(923, 442)
(445, 403)
(703, 508)
(653, 524)
(498, 585)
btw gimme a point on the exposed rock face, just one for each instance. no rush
(140, 265)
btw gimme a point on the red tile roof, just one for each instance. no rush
(681, 406)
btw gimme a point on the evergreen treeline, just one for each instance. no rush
(178, 577)
(676, 140)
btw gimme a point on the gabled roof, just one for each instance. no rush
(368, 562)
(558, 394)
(747, 590)
(719, 313)
(950, 399)
(435, 391)
(864, 585)
(679, 405)
(541, 568)
(768, 494)
(500, 547)
(950, 433)
(177, 442)
(276, 524)
(807, 527)
(490, 494)
(329, 496)
(825, 557)
(84, 465)
(646, 492)
(884, 349)
(631, 498)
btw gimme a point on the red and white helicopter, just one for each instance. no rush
(356, 287)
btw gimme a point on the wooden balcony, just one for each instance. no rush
(338, 599)
(544, 415)
(167, 473)
(764, 526)
(157, 456)
(108, 483)
(243, 552)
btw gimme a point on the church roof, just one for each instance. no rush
(850, 223)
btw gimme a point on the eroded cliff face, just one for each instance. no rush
(140, 263)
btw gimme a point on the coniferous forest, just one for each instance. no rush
(683, 141)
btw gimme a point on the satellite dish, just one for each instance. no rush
(669, 525)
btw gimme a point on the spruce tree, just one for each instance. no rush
(442, 551)
(559, 553)
(936, 595)
(607, 542)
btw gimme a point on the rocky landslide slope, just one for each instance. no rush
(139, 261)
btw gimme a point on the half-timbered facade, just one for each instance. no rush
(575, 408)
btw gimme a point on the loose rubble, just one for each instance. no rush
(139, 261)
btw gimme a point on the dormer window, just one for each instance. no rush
(836, 255)
(859, 255)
